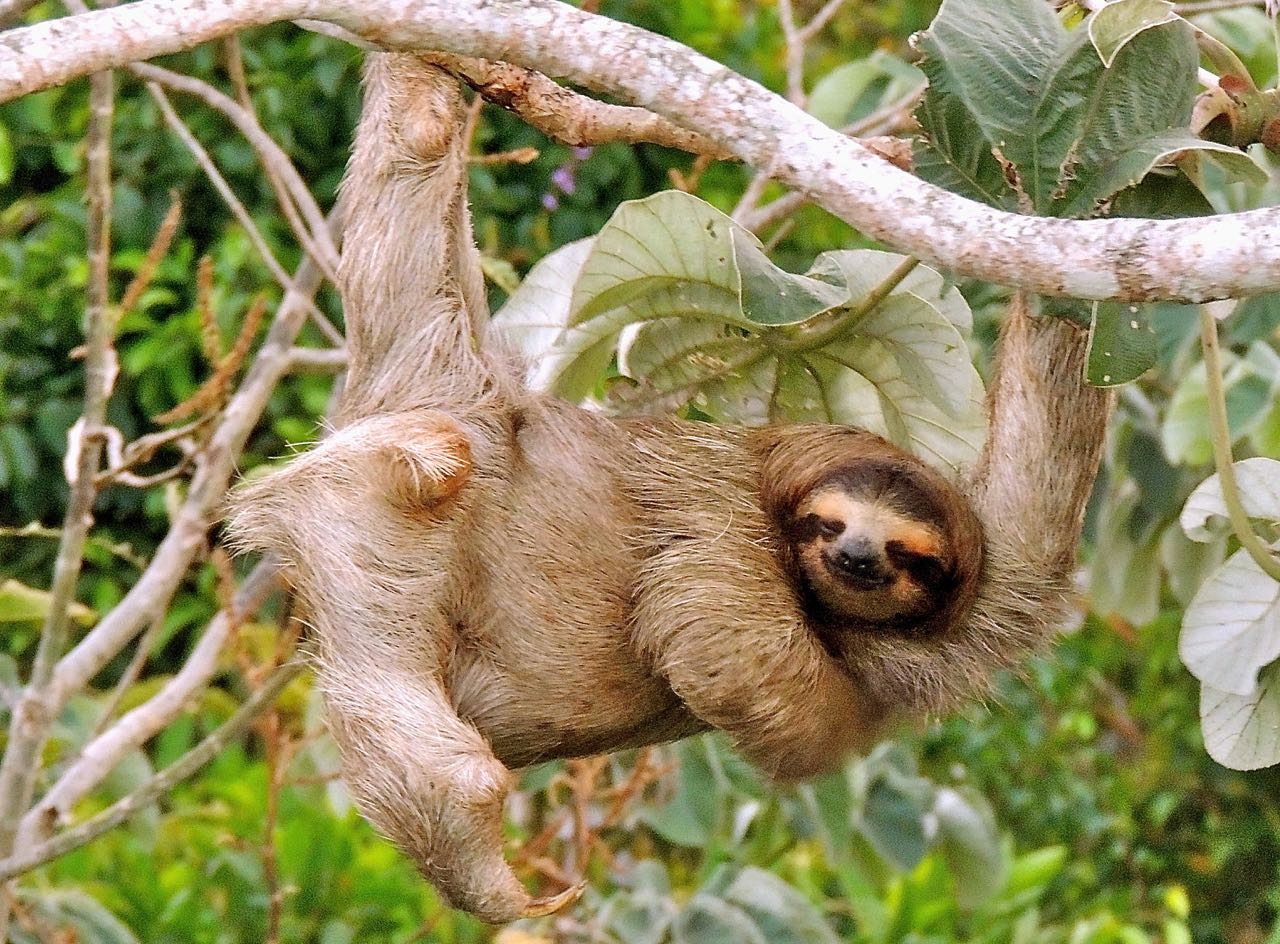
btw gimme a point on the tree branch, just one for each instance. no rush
(1191, 260)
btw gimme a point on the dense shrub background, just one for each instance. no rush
(1117, 824)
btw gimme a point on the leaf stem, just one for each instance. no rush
(831, 325)
(1221, 435)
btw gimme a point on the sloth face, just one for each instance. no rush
(872, 550)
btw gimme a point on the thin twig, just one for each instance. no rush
(179, 127)
(291, 191)
(1220, 432)
(101, 755)
(794, 53)
(12, 10)
(34, 713)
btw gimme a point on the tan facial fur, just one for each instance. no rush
(873, 585)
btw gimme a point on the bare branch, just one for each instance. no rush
(37, 707)
(214, 467)
(1224, 256)
(566, 116)
(158, 785)
(238, 210)
(311, 360)
(101, 755)
(292, 193)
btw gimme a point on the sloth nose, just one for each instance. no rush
(859, 558)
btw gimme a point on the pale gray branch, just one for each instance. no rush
(37, 707)
(1190, 260)
(214, 467)
(238, 210)
(101, 755)
(158, 785)
(314, 236)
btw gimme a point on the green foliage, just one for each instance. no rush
(696, 313)
(1081, 808)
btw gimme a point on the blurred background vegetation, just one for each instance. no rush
(1092, 810)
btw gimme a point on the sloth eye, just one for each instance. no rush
(830, 527)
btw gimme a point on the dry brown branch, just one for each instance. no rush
(160, 244)
(564, 115)
(213, 393)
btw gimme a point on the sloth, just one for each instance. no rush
(495, 577)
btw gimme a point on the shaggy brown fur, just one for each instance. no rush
(497, 578)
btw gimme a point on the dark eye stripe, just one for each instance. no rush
(927, 569)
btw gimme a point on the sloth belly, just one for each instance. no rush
(543, 663)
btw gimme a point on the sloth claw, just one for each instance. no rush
(540, 907)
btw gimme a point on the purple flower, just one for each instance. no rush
(563, 178)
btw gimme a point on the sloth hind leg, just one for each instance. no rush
(430, 782)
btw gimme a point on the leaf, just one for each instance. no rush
(771, 296)
(1126, 165)
(1122, 345)
(783, 915)
(20, 603)
(1117, 23)
(659, 246)
(990, 65)
(1184, 433)
(707, 919)
(867, 389)
(1258, 480)
(836, 97)
(970, 842)
(1242, 732)
(1127, 123)
(1231, 630)
(892, 802)
(535, 319)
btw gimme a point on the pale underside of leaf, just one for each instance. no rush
(1243, 731)
(1231, 629)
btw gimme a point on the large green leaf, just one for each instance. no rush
(1243, 731)
(783, 915)
(1258, 481)
(1019, 110)
(995, 61)
(970, 842)
(1117, 23)
(856, 89)
(1231, 630)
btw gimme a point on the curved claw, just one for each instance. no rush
(540, 907)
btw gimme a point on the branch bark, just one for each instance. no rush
(1190, 260)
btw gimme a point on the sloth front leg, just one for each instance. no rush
(711, 621)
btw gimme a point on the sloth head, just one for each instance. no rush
(878, 540)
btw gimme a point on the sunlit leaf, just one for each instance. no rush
(20, 603)
(1117, 23)
(970, 842)
(1243, 731)
(1258, 481)
(1231, 630)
